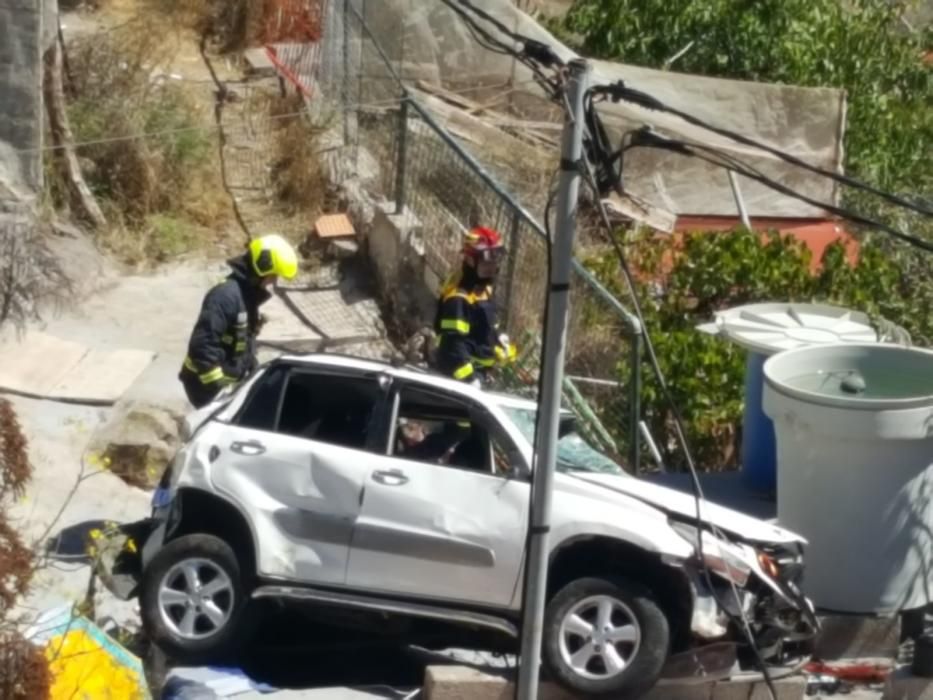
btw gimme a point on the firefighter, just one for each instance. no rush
(222, 350)
(470, 345)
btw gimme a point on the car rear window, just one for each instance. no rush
(329, 408)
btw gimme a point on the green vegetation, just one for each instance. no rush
(861, 46)
(685, 280)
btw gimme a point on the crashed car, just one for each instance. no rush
(336, 483)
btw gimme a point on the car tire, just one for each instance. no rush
(193, 602)
(625, 657)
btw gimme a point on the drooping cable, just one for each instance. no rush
(652, 139)
(619, 91)
(679, 429)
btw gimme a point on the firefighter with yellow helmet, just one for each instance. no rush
(470, 344)
(221, 350)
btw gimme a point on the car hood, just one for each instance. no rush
(684, 505)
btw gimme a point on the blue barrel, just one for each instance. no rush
(759, 447)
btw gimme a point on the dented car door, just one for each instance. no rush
(300, 479)
(302, 498)
(440, 531)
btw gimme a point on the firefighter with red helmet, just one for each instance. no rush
(470, 344)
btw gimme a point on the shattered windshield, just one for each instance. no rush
(573, 452)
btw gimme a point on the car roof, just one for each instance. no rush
(409, 372)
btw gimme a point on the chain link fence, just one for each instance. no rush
(419, 169)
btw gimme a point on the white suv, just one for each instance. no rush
(340, 483)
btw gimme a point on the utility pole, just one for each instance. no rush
(552, 373)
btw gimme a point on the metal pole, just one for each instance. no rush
(635, 405)
(401, 156)
(739, 201)
(552, 375)
(514, 242)
(346, 74)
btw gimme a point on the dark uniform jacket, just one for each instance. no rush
(222, 345)
(468, 329)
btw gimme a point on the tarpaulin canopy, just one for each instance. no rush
(426, 37)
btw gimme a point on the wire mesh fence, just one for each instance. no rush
(436, 179)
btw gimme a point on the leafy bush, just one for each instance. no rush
(857, 45)
(684, 280)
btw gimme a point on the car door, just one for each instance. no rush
(295, 458)
(454, 530)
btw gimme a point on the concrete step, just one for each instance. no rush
(465, 683)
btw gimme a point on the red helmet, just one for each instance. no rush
(483, 243)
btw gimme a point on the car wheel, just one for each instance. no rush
(192, 599)
(605, 636)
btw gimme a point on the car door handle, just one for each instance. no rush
(251, 448)
(391, 477)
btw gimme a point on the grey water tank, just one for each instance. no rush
(854, 428)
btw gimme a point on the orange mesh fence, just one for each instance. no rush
(291, 21)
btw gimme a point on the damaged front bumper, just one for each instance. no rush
(119, 561)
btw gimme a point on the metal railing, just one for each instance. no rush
(422, 168)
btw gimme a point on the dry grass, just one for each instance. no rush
(299, 178)
(159, 192)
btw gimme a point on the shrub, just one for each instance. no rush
(24, 673)
(684, 281)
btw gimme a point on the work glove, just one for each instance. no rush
(505, 351)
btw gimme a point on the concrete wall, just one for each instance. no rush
(404, 280)
(21, 48)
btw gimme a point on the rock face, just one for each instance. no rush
(137, 443)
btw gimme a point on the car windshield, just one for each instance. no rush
(573, 452)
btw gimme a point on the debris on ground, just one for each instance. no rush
(200, 683)
(843, 677)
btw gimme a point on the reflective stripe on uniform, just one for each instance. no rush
(240, 347)
(455, 324)
(209, 377)
(463, 371)
(468, 297)
(484, 361)
(214, 375)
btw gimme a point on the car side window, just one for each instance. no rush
(434, 429)
(338, 410)
(260, 410)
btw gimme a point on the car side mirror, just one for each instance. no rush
(517, 468)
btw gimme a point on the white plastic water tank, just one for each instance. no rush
(763, 330)
(854, 427)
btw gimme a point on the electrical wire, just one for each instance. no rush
(388, 102)
(618, 91)
(653, 140)
(533, 54)
(680, 432)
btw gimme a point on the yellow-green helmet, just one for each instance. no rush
(273, 255)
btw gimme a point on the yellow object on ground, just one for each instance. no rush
(87, 664)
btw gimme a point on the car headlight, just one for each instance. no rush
(721, 557)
